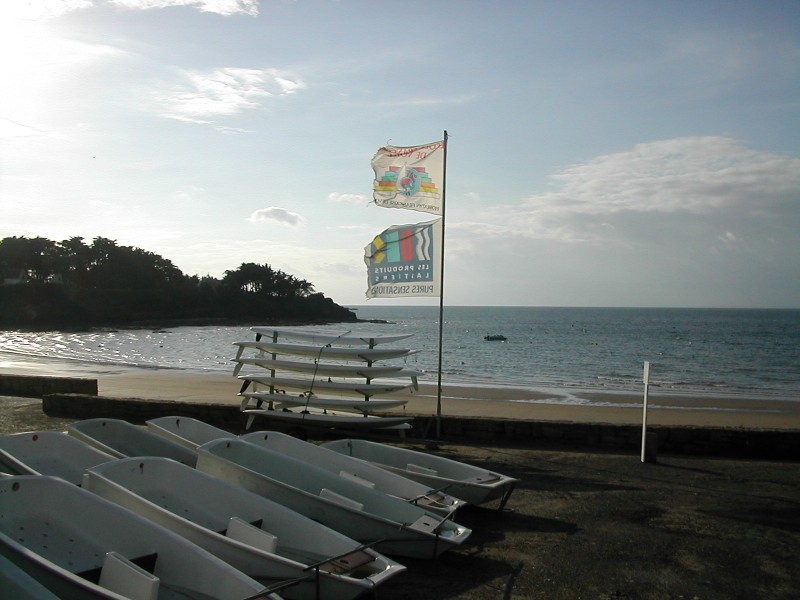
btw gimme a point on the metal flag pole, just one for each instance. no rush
(441, 297)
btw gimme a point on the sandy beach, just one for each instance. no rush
(598, 525)
(506, 402)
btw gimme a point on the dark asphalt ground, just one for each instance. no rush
(601, 526)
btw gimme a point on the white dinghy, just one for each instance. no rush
(83, 547)
(261, 538)
(363, 514)
(121, 439)
(361, 472)
(50, 453)
(17, 584)
(467, 482)
(192, 433)
(186, 431)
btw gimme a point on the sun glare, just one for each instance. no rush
(25, 49)
(34, 61)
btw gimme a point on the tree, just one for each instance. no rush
(105, 283)
(36, 258)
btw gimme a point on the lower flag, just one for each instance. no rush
(403, 261)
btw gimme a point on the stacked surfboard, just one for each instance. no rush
(340, 380)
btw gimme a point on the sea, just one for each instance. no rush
(729, 353)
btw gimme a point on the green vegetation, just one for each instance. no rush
(48, 284)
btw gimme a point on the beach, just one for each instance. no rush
(597, 525)
(496, 402)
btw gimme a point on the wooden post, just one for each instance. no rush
(649, 442)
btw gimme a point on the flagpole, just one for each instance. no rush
(441, 298)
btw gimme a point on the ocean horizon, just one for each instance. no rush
(732, 353)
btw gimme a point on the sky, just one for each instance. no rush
(615, 153)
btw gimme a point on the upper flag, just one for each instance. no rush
(410, 177)
(403, 261)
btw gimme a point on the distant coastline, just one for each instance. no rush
(71, 285)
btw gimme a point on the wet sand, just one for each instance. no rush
(504, 402)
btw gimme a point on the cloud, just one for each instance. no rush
(429, 101)
(41, 9)
(221, 7)
(204, 97)
(698, 177)
(349, 198)
(45, 9)
(281, 215)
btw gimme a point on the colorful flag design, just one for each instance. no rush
(404, 260)
(409, 177)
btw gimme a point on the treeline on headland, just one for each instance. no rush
(72, 284)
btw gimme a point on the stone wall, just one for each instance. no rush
(26, 386)
(751, 443)
(705, 441)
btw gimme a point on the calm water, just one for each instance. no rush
(699, 351)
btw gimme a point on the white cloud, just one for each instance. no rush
(281, 215)
(430, 101)
(203, 97)
(221, 7)
(699, 176)
(44, 9)
(349, 198)
(40, 9)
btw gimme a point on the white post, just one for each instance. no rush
(646, 379)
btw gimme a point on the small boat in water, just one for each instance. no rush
(121, 439)
(467, 482)
(356, 470)
(496, 337)
(83, 547)
(50, 453)
(263, 539)
(361, 513)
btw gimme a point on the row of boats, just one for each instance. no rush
(318, 379)
(183, 509)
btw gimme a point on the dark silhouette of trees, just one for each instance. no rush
(73, 284)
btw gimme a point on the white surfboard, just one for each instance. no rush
(363, 406)
(363, 354)
(320, 418)
(354, 387)
(322, 338)
(330, 370)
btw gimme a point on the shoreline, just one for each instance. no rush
(498, 402)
